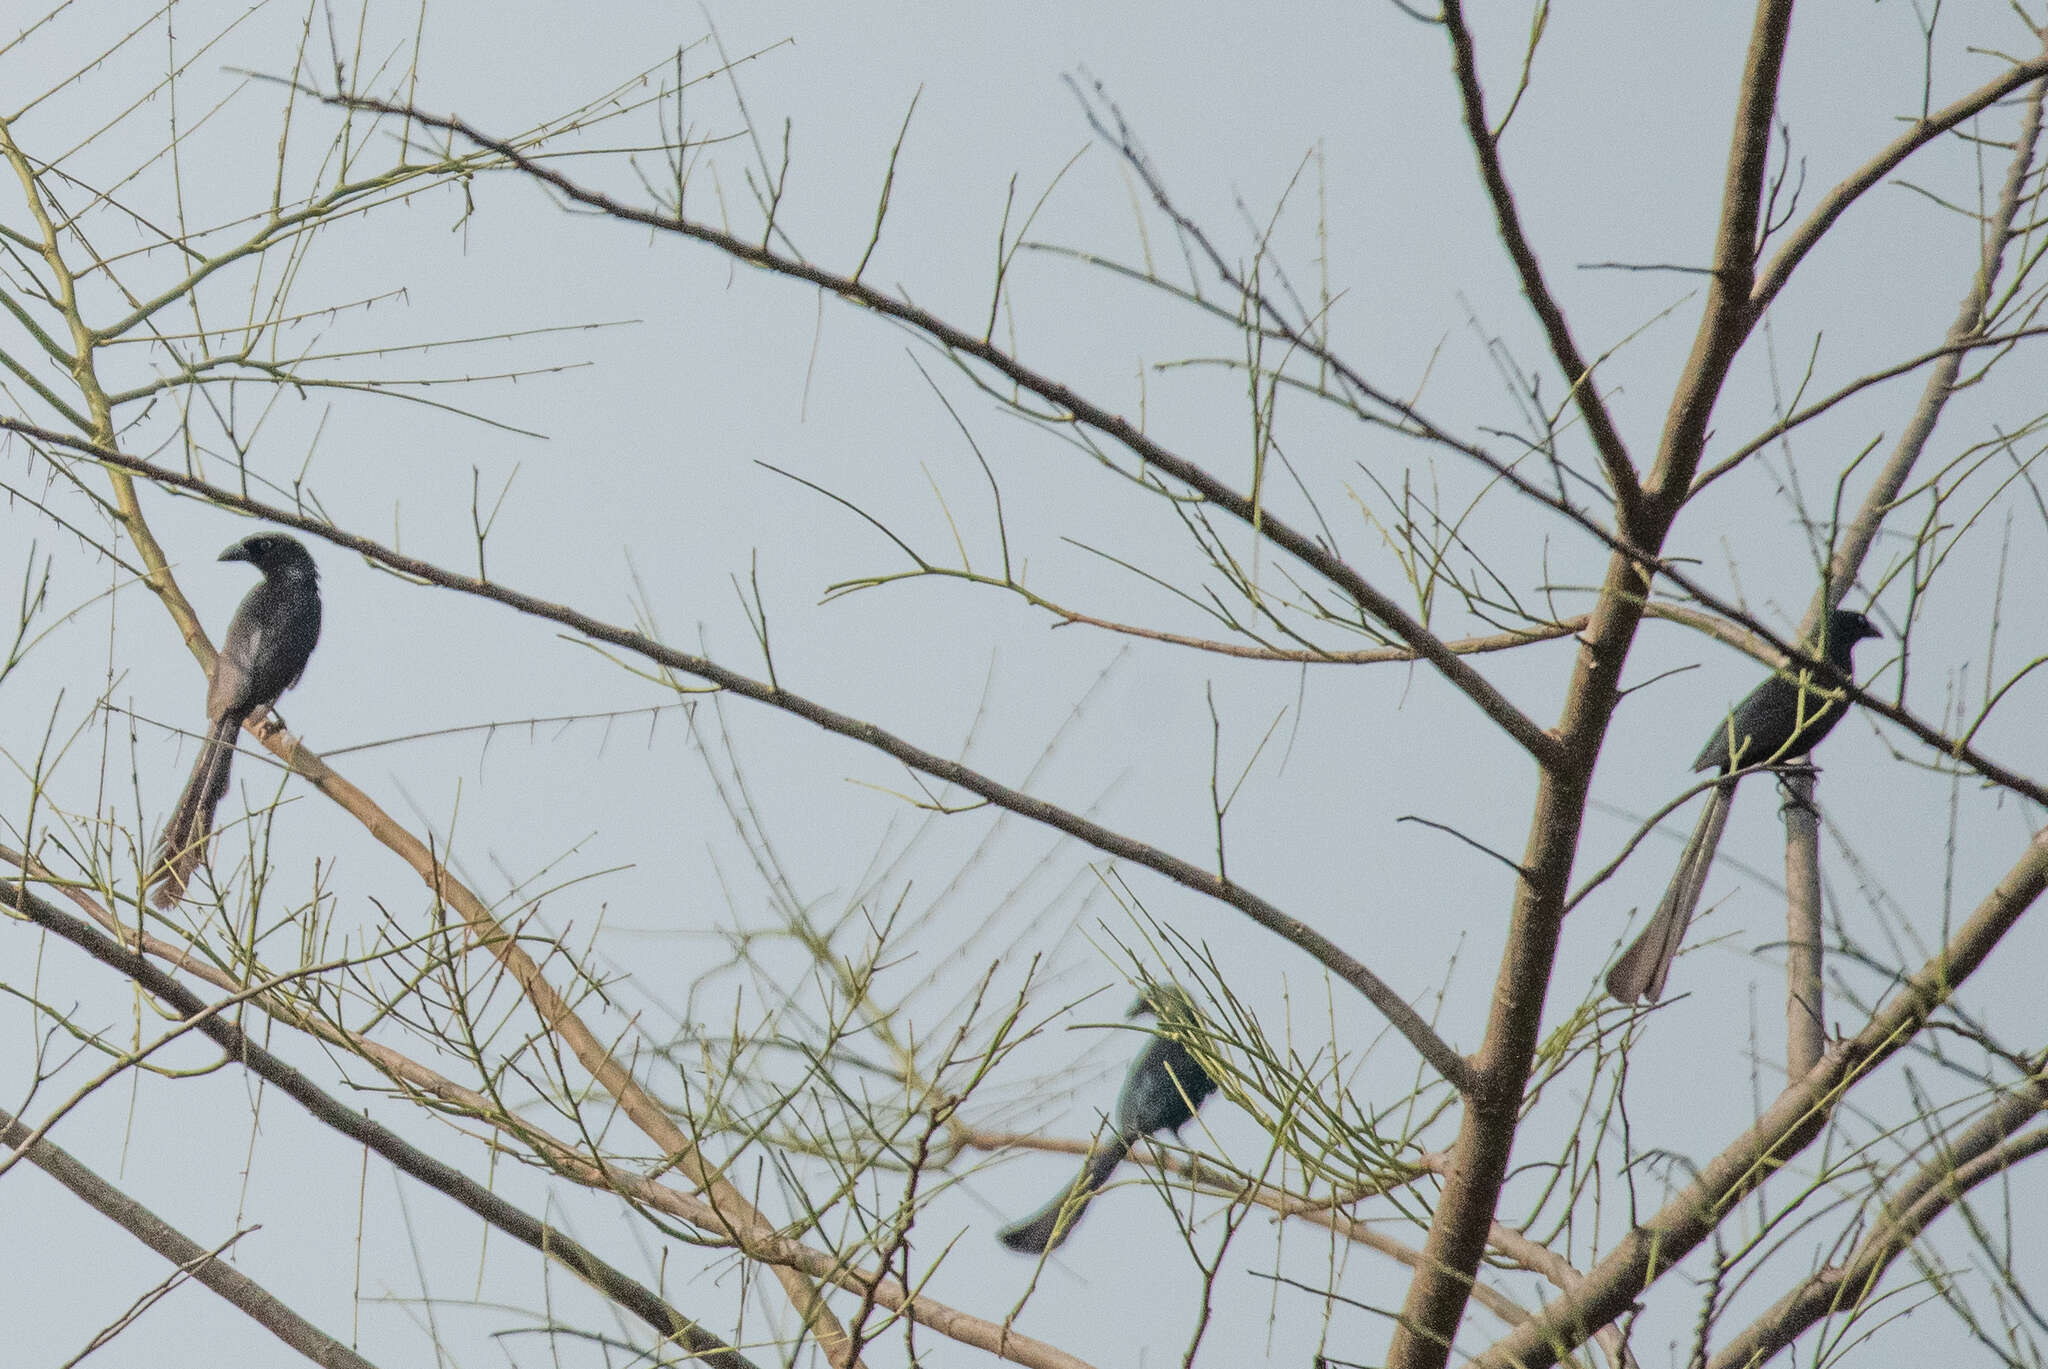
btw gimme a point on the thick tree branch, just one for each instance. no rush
(1435, 1302)
(1730, 313)
(1805, 991)
(1791, 1123)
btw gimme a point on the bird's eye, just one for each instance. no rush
(260, 545)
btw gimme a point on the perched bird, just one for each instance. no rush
(1164, 1087)
(263, 655)
(1783, 718)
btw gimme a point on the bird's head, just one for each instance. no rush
(1163, 1001)
(271, 552)
(1846, 628)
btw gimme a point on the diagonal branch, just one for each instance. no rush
(1837, 201)
(579, 1166)
(1540, 744)
(1788, 1126)
(644, 1111)
(1614, 457)
(591, 1052)
(1934, 395)
(1747, 633)
(195, 1261)
(1986, 1150)
(350, 1122)
(1962, 347)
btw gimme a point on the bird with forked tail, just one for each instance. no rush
(1783, 718)
(264, 653)
(1165, 1085)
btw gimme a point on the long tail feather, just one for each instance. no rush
(1643, 967)
(1046, 1228)
(183, 844)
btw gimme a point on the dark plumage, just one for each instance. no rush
(1164, 1087)
(1783, 718)
(262, 655)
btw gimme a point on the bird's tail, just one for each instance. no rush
(1641, 971)
(183, 844)
(1047, 1227)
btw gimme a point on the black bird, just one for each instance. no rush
(1783, 718)
(1164, 1087)
(263, 655)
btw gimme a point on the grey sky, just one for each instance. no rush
(647, 493)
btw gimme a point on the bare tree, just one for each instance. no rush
(803, 1106)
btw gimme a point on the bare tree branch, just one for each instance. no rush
(1540, 745)
(1856, 539)
(1791, 1123)
(1836, 202)
(1585, 389)
(409, 1159)
(1435, 1300)
(282, 744)
(204, 1266)
(1986, 1150)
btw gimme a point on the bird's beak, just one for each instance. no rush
(238, 552)
(1139, 1009)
